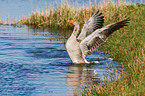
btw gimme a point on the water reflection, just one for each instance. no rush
(52, 31)
(80, 77)
(84, 76)
(36, 63)
(53, 34)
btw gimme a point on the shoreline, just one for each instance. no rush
(126, 45)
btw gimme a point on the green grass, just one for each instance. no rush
(126, 45)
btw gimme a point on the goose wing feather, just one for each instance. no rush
(95, 22)
(100, 36)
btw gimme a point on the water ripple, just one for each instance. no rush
(34, 64)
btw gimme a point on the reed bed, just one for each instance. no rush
(126, 45)
(58, 17)
(5, 21)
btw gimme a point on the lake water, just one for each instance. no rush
(35, 62)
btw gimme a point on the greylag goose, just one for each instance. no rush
(91, 36)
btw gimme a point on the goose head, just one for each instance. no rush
(76, 28)
(74, 22)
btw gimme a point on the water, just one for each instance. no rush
(35, 62)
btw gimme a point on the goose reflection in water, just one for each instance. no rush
(80, 76)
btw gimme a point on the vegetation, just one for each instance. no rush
(58, 17)
(126, 45)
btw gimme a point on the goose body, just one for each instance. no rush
(74, 50)
(91, 36)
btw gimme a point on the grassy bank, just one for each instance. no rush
(126, 45)
(58, 17)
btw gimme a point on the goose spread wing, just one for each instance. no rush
(109, 29)
(100, 36)
(95, 22)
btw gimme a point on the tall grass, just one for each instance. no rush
(6, 21)
(59, 16)
(126, 45)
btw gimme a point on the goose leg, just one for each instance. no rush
(85, 59)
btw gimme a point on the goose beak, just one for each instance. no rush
(70, 21)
